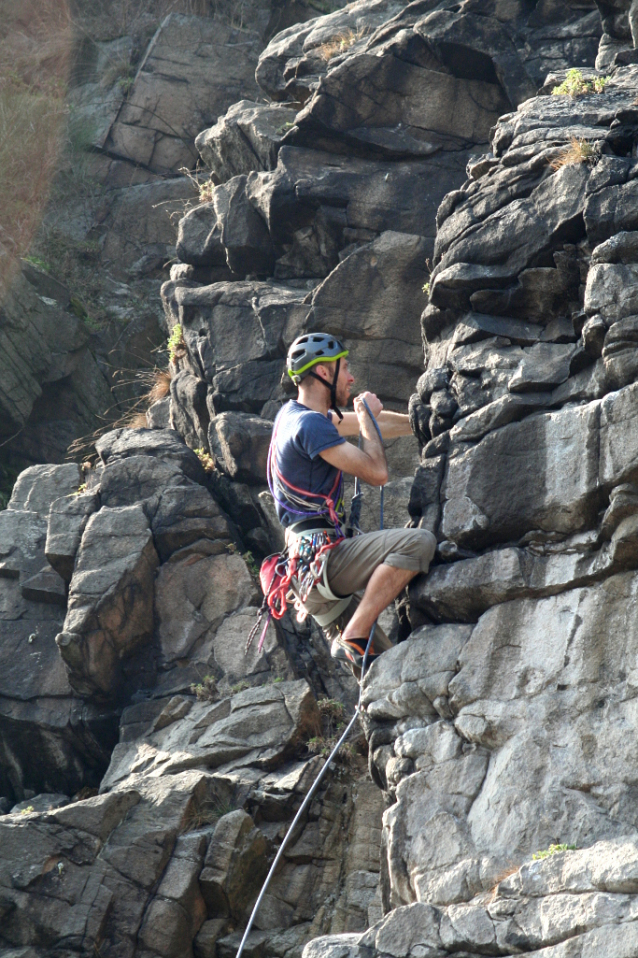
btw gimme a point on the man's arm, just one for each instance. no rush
(369, 462)
(391, 424)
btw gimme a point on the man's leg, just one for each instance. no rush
(386, 583)
(381, 564)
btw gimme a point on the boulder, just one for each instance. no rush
(162, 443)
(381, 284)
(260, 726)
(68, 517)
(52, 390)
(116, 857)
(194, 593)
(498, 507)
(237, 334)
(199, 237)
(37, 487)
(351, 194)
(244, 233)
(240, 444)
(235, 865)
(245, 139)
(187, 514)
(126, 482)
(110, 610)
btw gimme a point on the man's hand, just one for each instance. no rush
(373, 402)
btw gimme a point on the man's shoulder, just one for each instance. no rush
(295, 412)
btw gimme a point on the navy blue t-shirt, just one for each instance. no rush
(301, 434)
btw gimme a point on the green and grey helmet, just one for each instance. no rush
(309, 350)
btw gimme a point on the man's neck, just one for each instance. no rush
(314, 399)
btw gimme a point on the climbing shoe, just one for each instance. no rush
(352, 651)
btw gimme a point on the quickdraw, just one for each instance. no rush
(304, 562)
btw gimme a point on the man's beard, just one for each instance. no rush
(343, 395)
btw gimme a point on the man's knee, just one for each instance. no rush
(424, 545)
(412, 549)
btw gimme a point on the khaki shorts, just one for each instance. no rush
(352, 562)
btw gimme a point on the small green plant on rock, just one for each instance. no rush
(426, 288)
(552, 850)
(27, 810)
(39, 263)
(332, 716)
(575, 84)
(206, 460)
(253, 568)
(240, 687)
(176, 345)
(206, 690)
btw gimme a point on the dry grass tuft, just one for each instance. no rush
(161, 386)
(134, 416)
(579, 151)
(340, 43)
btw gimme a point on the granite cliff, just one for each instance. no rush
(452, 189)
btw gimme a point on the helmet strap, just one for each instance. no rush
(332, 386)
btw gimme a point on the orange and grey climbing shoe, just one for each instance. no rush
(352, 651)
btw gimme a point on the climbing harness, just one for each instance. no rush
(315, 785)
(305, 558)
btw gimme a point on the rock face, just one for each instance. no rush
(415, 187)
(214, 753)
(498, 728)
(335, 203)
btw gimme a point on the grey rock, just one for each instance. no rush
(550, 209)
(620, 248)
(244, 231)
(568, 502)
(37, 487)
(45, 586)
(68, 517)
(240, 444)
(204, 944)
(187, 514)
(476, 326)
(245, 139)
(235, 865)
(189, 408)
(163, 443)
(158, 415)
(192, 71)
(52, 390)
(199, 237)
(234, 332)
(543, 366)
(191, 616)
(110, 609)
(126, 482)
(40, 803)
(509, 408)
(259, 727)
(377, 282)
(352, 194)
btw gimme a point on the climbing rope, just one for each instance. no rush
(315, 785)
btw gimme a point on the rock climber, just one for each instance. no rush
(343, 583)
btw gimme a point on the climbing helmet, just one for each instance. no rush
(310, 349)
